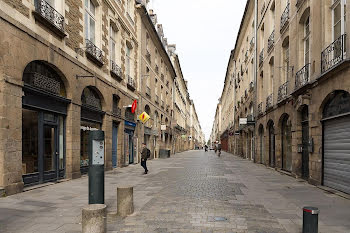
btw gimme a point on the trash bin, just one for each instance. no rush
(310, 219)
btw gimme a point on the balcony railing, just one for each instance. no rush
(285, 17)
(260, 109)
(93, 52)
(282, 92)
(333, 54)
(251, 43)
(131, 83)
(46, 11)
(261, 57)
(116, 71)
(117, 111)
(302, 77)
(269, 102)
(129, 116)
(148, 91)
(271, 41)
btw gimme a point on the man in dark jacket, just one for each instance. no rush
(144, 156)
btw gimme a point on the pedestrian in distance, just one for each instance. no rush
(219, 149)
(145, 154)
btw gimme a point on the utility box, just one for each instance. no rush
(96, 167)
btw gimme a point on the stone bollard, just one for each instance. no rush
(94, 218)
(125, 201)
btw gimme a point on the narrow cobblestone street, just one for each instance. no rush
(185, 193)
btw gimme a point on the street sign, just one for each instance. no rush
(134, 106)
(243, 121)
(144, 117)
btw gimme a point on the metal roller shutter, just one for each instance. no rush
(337, 154)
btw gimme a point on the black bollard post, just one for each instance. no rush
(96, 167)
(310, 219)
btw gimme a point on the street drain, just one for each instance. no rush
(220, 219)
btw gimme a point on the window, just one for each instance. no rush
(112, 44)
(286, 59)
(90, 20)
(339, 18)
(128, 58)
(307, 41)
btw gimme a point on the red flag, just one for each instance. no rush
(134, 106)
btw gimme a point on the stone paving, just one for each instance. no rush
(190, 192)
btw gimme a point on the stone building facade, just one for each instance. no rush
(68, 68)
(302, 102)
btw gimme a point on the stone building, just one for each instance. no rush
(157, 80)
(71, 67)
(302, 103)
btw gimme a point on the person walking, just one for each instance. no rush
(145, 154)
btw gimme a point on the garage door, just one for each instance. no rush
(337, 154)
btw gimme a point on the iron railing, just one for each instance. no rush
(50, 14)
(302, 77)
(285, 17)
(131, 81)
(260, 109)
(271, 41)
(269, 102)
(261, 57)
(282, 92)
(129, 116)
(93, 50)
(117, 111)
(115, 69)
(148, 91)
(333, 54)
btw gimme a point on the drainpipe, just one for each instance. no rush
(255, 71)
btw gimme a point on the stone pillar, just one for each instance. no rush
(125, 201)
(73, 142)
(11, 135)
(94, 219)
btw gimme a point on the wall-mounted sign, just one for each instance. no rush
(134, 106)
(144, 117)
(163, 127)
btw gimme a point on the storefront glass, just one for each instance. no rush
(29, 141)
(85, 128)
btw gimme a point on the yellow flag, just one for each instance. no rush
(144, 117)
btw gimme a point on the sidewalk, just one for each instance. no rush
(183, 194)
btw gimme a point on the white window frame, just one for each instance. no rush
(307, 39)
(342, 16)
(90, 15)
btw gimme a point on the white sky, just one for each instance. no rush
(204, 32)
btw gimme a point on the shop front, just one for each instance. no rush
(44, 110)
(91, 120)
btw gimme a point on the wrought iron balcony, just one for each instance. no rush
(131, 83)
(333, 54)
(302, 77)
(251, 43)
(117, 111)
(269, 102)
(116, 71)
(261, 57)
(45, 13)
(271, 41)
(157, 99)
(282, 92)
(148, 91)
(94, 53)
(285, 17)
(260, 109)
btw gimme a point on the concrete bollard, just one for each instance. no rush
(125, 201)
(94, 218)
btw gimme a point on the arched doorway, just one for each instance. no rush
(272, 156)
(336, 143)
(44, 110)
(286, 143)
(261, 144)
(91, 119)
(305, 142)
